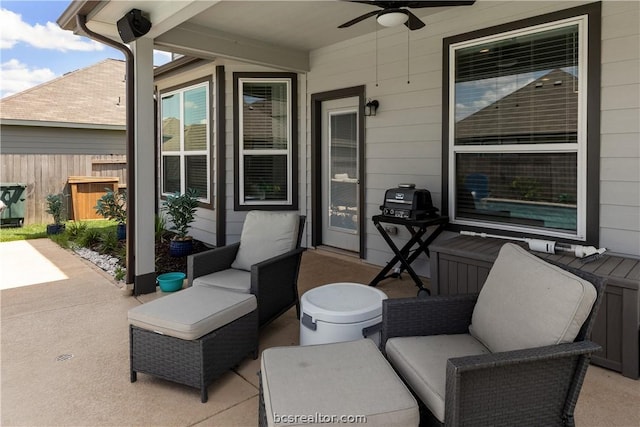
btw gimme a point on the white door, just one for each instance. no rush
(340, 172)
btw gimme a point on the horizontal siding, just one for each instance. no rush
(403, 141)
(55, 140)
(620, 147)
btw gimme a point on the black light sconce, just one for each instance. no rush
(133, 25)
(371, 107)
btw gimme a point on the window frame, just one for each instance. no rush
(588, 147)
(206, 82)
(291, 203)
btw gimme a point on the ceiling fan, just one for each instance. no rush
(394, 13)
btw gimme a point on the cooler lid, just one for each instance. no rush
(343, 303)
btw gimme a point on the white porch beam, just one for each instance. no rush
(195, 40)
(144, 161)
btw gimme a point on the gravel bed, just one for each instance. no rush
(105, 262)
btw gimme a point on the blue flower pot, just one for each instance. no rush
(171, 282)
(121, 230)
(55, 229)
(180, 248)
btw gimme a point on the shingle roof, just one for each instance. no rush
(545, 106)
(92, 95)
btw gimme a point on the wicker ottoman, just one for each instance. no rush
(193, 336)
(340, 383)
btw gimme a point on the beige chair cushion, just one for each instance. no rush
(266, 235)
(527, 302)
(347, 378)
(193, 312)
(422, 363)
(230, 279)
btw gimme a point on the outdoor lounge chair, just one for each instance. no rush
(514, 355)
(264, 263)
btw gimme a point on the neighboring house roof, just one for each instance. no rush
(528, 110)
(94, 95)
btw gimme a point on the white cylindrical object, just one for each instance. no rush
(546, 246)
(340, 312)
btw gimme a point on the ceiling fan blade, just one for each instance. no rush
(436, 3)
(413, 23)
(415, 4)
(359, 18)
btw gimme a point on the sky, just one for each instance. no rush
(34, 49)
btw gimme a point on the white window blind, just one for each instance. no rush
(517, 148)
(265, 142)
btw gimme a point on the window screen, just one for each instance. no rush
(516, 132)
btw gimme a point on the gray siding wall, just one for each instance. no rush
(404, 139)
(59, 140)
(620, 142)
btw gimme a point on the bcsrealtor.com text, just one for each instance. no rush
(318, 418)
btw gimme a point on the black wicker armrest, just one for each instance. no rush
(276, 273)
(519, 385)
(274, 282)
(211, 261)
(402, 317)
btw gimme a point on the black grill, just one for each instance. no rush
(408, 202)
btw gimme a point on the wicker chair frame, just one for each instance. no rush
(530, 387)
(274, 282)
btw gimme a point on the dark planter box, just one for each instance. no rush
(460, 265)
(55, 229)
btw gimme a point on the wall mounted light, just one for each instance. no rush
(371, 107)
(392, 18)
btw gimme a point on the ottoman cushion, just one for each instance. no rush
(341, 379)
(192, 312)
(230, 279)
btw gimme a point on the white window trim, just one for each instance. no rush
(580, 148)
(270, 152)
(182, 153)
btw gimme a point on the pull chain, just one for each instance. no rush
(408, 56)
(376, 54)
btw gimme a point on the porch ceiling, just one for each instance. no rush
(274, 33)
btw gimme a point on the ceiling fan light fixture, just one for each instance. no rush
(392, 19)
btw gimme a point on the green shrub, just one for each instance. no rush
(89, 238)
(113, 205)
(75, 229)
(55, 207)
(108, 242)
(119, 273)
(160, 228)
(181, 209)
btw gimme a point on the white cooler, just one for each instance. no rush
(340, 312)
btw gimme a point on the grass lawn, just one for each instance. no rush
(37, 231)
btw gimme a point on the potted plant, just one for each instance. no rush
(181, 209)
(113, 205)
(55, 207)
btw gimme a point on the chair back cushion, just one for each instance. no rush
(527, 302)
(266, 235)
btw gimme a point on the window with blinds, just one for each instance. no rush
(517, 132)
(265, 141)
(185, 140)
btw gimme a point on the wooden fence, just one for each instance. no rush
(48, 173)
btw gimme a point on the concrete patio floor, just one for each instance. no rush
(65, 351)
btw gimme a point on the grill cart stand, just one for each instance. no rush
(418, 229)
